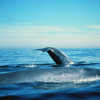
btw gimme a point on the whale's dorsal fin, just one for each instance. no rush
(58, 56)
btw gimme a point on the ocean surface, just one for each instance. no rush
(80, 81)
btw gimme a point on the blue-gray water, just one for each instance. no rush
(83, 86)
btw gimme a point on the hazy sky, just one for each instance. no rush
(43, 23)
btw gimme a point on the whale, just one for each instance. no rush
(59, 57)
(52, 74)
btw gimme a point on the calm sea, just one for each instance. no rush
(65, 85)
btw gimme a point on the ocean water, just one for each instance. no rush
(29, 74)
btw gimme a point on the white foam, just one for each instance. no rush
(88, 79)
(68, 77)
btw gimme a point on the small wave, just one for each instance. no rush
(4, 66)
(27, 65)
(89, 79)
(83, 63)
